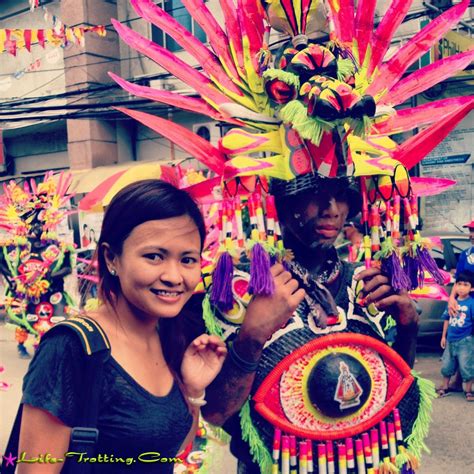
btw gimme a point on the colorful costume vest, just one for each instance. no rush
(339, 396)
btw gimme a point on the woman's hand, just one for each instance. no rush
(266, 314)
(202, 361)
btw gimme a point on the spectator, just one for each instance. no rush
(457, 339)
(149, 264)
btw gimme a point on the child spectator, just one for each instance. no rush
(457, 340)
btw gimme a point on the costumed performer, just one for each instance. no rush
(34, 259)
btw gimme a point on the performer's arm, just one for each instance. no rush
(377, 290)
(265, 315)
(230, 389)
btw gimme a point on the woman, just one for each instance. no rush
(149, 264)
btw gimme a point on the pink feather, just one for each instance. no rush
(427, 77)
(192, 104)
(364, 24)
(216, 35)
(171, 63)
(211, 65)
(387, 27)
(428, 186)
(233, 31)
(346, 20)
(254, 37)
(255, 13)
(390, 72)
(196, 146)
(420, 116)
(417, 147)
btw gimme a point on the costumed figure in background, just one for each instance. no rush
(33, 259)
(309, 378)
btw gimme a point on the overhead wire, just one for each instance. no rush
(92, 93)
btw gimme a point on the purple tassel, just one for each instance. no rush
(427, 263)
(221, 291)
(261, 280)
(411, 266)
(391, 266)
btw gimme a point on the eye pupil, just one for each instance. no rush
(339, 385)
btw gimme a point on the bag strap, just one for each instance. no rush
(84, 437)
(96, 346)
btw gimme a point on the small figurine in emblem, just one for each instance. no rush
(348, 390)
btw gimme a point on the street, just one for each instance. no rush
(451, 435)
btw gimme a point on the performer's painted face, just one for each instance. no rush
(159, 266)
(317, 218)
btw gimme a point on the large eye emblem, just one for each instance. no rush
(334, 387)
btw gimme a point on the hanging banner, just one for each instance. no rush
(13, 39)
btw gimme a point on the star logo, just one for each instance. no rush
(10, 460)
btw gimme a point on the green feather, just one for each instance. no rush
(284, 76)
(345, 68)
(416, 440)
(209, 317)
(250, 434)
(296, 114)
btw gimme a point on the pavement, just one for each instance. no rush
(451, 435)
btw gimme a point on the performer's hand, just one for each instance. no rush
(202, 361)
(266, 314)
(443, 343)
(378, 290)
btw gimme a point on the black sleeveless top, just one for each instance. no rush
(138, 432)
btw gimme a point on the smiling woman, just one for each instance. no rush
(154, 381)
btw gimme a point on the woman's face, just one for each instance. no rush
(159, 267)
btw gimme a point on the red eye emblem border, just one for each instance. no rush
(322, 343)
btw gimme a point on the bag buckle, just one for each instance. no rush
(84, 435)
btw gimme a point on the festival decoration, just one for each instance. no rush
(34, 260)
(321, 108)
(100, 197)
(318, 110)
(11, 40)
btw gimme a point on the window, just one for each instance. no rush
(177, 10)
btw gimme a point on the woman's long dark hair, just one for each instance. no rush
(135, 204)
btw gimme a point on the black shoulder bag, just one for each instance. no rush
(83, 437)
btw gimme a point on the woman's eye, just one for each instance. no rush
(189, 260)
(154, 256)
